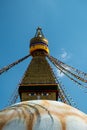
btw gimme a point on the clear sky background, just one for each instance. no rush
(64, 24)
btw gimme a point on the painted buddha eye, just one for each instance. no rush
(32, 94)
(45, 94)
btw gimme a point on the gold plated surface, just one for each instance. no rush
(39, 42)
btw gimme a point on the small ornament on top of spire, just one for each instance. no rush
(39, 32)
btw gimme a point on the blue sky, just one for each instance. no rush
(64, 23)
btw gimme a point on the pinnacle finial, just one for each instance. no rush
(39, 28)
(39, 32)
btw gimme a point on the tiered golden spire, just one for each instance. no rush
(39, 42)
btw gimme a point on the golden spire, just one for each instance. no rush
(39, 42)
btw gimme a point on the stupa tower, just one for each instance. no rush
(39, 80)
